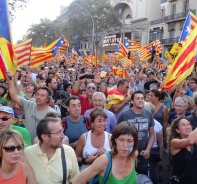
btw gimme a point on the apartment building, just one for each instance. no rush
(145, 21)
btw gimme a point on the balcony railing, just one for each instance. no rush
(156, 21)
(177, 16)
(169, 40)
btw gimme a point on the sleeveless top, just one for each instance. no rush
(18, 178)
(130, 179)
(159, 115)
(88, 148)
(186, 162)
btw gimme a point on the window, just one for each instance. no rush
(172, 31)
(173, 10)
(185, 5)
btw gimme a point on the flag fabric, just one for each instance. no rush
(184, 62)
(88, 61)
(8, 55)
(2, 67)
(145, 52)
(190, 24)
(160, 66)
(40, 55)
(169, 56)
(104, 57)
(121, 51)
(127, 62)
(23, 52)
(114, 97)
(175, 48)
(5, 29)
(131, 45)
(44, 45)
(158, 48)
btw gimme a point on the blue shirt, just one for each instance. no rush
(173, 116)
(189, 92)
(111, 119)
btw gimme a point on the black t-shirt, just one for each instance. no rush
(147, 84)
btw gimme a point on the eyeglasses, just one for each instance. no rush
(88, 87)
(183, 93)
(10, 149)
(56, 133)
(5, 118)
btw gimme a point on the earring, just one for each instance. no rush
(92, 129)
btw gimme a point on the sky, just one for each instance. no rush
(35, 10)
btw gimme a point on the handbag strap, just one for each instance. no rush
(63, 165)
(108, 169)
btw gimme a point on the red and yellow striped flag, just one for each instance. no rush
(184, 62)
(7, 55)
(23, 52)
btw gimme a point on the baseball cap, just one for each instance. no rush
(6, 109)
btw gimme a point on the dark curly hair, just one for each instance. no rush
(173, 133)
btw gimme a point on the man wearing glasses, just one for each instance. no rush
(6, 119)
(45, 158)
(86, 102)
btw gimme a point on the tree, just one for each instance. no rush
(79, 21)
(16, 4)
(45, 31)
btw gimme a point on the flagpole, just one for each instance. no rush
(92, 23)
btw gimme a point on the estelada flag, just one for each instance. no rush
(184, 62)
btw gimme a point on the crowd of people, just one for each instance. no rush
(71, 124)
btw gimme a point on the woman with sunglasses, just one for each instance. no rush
(95, 142)
(183, 150)
(12, 170)
(124, 142)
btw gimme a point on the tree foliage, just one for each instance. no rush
(79, 21)
(77, 24)
(14, 5)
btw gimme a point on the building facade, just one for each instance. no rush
(145, 21)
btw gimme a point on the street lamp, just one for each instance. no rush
(92, 23)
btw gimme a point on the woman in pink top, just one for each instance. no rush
(12, 170)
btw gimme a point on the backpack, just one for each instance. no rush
(95, 180)
(86, 121)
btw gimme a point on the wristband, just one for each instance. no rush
(83, 161)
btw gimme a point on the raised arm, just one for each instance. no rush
(11, 88)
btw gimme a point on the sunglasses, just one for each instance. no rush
(183, 93)
(10, 149)
(91, 87)
(5, 118)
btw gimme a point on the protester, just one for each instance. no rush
(183, 149)
(118, 98)
(12, 170)
(33, 111)
(124, 142)
(75, 124)
(99, 100)
(95, 142)
(144, 122)
(50, 135)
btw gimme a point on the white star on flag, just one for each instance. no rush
(188, 29)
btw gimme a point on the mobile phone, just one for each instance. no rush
(90, 76)
(82, 77)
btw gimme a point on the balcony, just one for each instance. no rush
(169, 41)
(159, 21)
(178, 16)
